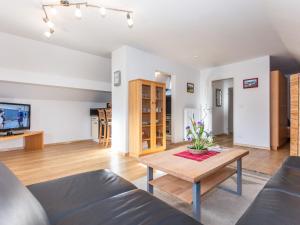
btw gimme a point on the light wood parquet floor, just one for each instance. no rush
(259, 160)
(66, 159)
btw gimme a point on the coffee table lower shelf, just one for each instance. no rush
(183, 189)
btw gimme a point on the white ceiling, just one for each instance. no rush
(39, 92)
(216, 31)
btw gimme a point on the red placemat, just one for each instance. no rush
(199, 157)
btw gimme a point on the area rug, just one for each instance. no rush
(219, 207)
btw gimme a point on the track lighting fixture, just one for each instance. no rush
(49, 23)
(49, 33)
(78, 14)
(102, 11)
(129, 20)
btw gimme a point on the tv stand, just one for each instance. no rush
(11, 133)
(33, 140)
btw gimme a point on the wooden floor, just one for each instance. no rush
(259, 160)
(66, 159)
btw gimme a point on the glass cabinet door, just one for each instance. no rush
(146, 117)
(159, 116)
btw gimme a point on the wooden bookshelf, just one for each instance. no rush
(147, 117)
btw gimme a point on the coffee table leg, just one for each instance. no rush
(239, 177)
(197, 201)
(149, 178)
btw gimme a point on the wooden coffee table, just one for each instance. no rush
(187, 179)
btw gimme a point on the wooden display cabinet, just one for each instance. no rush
(147, 117)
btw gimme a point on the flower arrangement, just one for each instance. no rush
(201, 139)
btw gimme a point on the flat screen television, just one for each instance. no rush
(14, 116)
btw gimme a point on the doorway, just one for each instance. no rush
(222, 107)
(167, 78)
(230, 110)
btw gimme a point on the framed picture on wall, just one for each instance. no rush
(218, 97)
(250, 83)
(190, 87)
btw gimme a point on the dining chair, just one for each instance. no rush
(108, 113)
(102, 126)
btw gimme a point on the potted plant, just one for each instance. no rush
(200, 139)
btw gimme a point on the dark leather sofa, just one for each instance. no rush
(93, 198)
(279, 201)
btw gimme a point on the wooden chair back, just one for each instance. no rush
(102, 116)
(108, 113)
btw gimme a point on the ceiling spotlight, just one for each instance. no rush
(49, 33)
(49, 23)
(129, 20)
(53, 11)
(102, 11)
(78, 13)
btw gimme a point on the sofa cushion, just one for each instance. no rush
(17, 205)
(293, 162)
(272, 207)
(63, 196)
(135, 207)
(287, 179)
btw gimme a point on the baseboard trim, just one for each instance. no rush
(11, 149)
(251, 146)
(46, 145)
(222, 134)
(68, 142)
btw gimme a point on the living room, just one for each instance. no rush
(87, 135)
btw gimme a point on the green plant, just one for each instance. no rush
(196, 134)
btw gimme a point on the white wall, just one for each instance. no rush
(136, 64)
(62, 121)
(62, 113)
(61, 85)
(120, 102)
(28, 61)
(251, 106)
